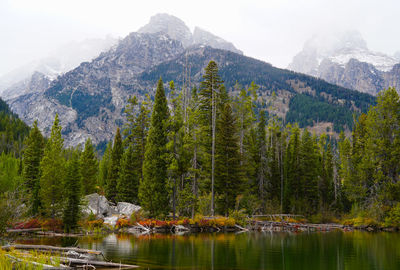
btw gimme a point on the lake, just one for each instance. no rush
(252, 250)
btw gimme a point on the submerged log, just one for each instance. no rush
(52, 248)
(73, 262)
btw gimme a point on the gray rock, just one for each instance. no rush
(203, 37)
(98, 205)
(127, 209)
(111, 220)
(174, 27)
(344, 59)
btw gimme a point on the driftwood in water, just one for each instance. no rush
(42, 265)
(52, 248)
(23, 230)
(285, 226)
(74, 262)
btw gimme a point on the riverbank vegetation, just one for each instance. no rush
(201, 151)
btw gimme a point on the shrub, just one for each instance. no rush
(393, 218)
(122, 223)
(239, 216)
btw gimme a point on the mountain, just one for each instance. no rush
(65, 58)
(90, 98)
(344, 59)
(12, 130)
(176, 29)
(202, 37)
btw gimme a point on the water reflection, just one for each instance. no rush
(336, 250)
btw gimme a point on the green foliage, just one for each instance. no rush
(52, 169)
(228, 173)
(10, 179)
(115, 167)
(104, 166)
(72, 193)
(128, 182)
(307, 110)
(89, 168)
(12, 130)
(33, 155)
(393, 218)
(153, 194)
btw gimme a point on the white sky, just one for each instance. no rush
(270, 30)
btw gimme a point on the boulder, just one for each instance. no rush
(98, 205)
(127, 209)
(112, 221)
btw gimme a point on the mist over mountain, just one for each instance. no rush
(90, 98)
(344, 59)
(58, 62)
(175, 28)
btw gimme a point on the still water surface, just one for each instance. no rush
(333, 250)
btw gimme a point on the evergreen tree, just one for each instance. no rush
(104, 166)
(31, 167)
(228, 178)
(153, 193)
(89, 168)
(136, 130)
(115, 167)
(308, 174)
(293, 186)
(72, 194)
(128, 183)
(52, 169)
(261, 158)
(208, 99)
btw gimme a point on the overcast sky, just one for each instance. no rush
(270, 30)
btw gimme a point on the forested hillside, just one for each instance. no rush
(203, 151)
(12, 130)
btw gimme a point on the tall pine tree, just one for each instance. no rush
(52, 172)
(228, 178)
(89, 168)
(72, 195)
(153, 192)
(115, 167)
(31, 163)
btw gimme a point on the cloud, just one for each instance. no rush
(271, 30)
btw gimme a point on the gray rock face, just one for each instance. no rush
(89, 99)
(98, 205)
(344, 59)
(38, 82)
(203, 37)
(174, 27)
(18, 82)
(127, 209)
(102, 208)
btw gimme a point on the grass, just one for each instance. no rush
(26, 260)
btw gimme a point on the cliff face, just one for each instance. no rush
(176, 29)
(345, 60)
(89, 99)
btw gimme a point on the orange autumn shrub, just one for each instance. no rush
(122, 223)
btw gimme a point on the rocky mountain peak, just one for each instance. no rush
(174, 27)
(344, 59)
(201, 36)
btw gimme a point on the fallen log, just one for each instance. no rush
(72, 261)
(23, 230)
(42, 265)
(51, 248)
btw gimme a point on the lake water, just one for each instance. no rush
(332, 250)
